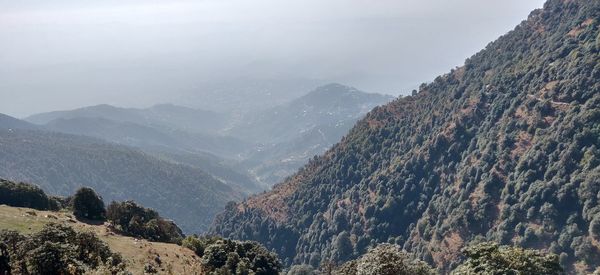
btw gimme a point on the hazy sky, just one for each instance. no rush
(64, 54)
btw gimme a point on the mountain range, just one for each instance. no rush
(504, 148)
(61, 163)
(266, 145)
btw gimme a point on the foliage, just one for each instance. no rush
(138, 221)
(87, 204)
(58, 249)
(504, 148)
(25, 195)
(301, 270)
(491, 258)
(222, 256)
(4, 260)
(385, 259)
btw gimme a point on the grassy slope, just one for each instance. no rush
(175, 259)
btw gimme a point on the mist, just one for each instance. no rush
(212, 54)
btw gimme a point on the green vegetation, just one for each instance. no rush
(222, 256)
(491, 258)
(87, 204)
(302, 270)
(26, 195)
(505, 148)
(137, 221)
(57, 249)
(385, 259)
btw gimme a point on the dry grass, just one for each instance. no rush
(137, 253)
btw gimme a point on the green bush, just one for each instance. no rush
(222, 256)
(25, 195)
(491, 258)
(87, 204)
(137, 221)
(385, 259)
(302, 270)
(4, 259)
(57, 249)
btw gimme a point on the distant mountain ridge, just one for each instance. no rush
(162, 115)
(8, 122)
(504, 148)
(270, 144)
(61, 163)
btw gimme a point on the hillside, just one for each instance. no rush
(137, 253)
(503, 148)
(8, 122)
(162, 115)
(329, 104)
(61, 163)
(290, 134)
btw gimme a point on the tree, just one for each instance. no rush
(491, 258)
(4, 260)
(135, 220)
(385, 259)
(57, 249)
(301, 270)
(89, 205)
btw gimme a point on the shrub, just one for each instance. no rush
(491, 258)
(135, 220)
(301, 270)
(57, 249)
(222, 256)
(4, 259)
(25, 195)
(87, 204)
(385, 259)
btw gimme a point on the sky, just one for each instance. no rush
(64, 54)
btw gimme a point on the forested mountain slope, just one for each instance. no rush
(61, 163)
(504, 148)
(290, 134)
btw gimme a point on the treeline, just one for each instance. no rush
(27, 195)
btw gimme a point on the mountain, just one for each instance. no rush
(292, 133)
(149, 137)
(8, 122)
(167, 116)
(504, 148)
(61, 163)
(329, 104)
(266, 145)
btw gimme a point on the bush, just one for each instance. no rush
(4, 259)
(25, 195)
(198, 245)
(385, 259)
(137, 221)
(87, 204)
(301, 270)
(57, 249)
(491, 258)
(222, 256)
